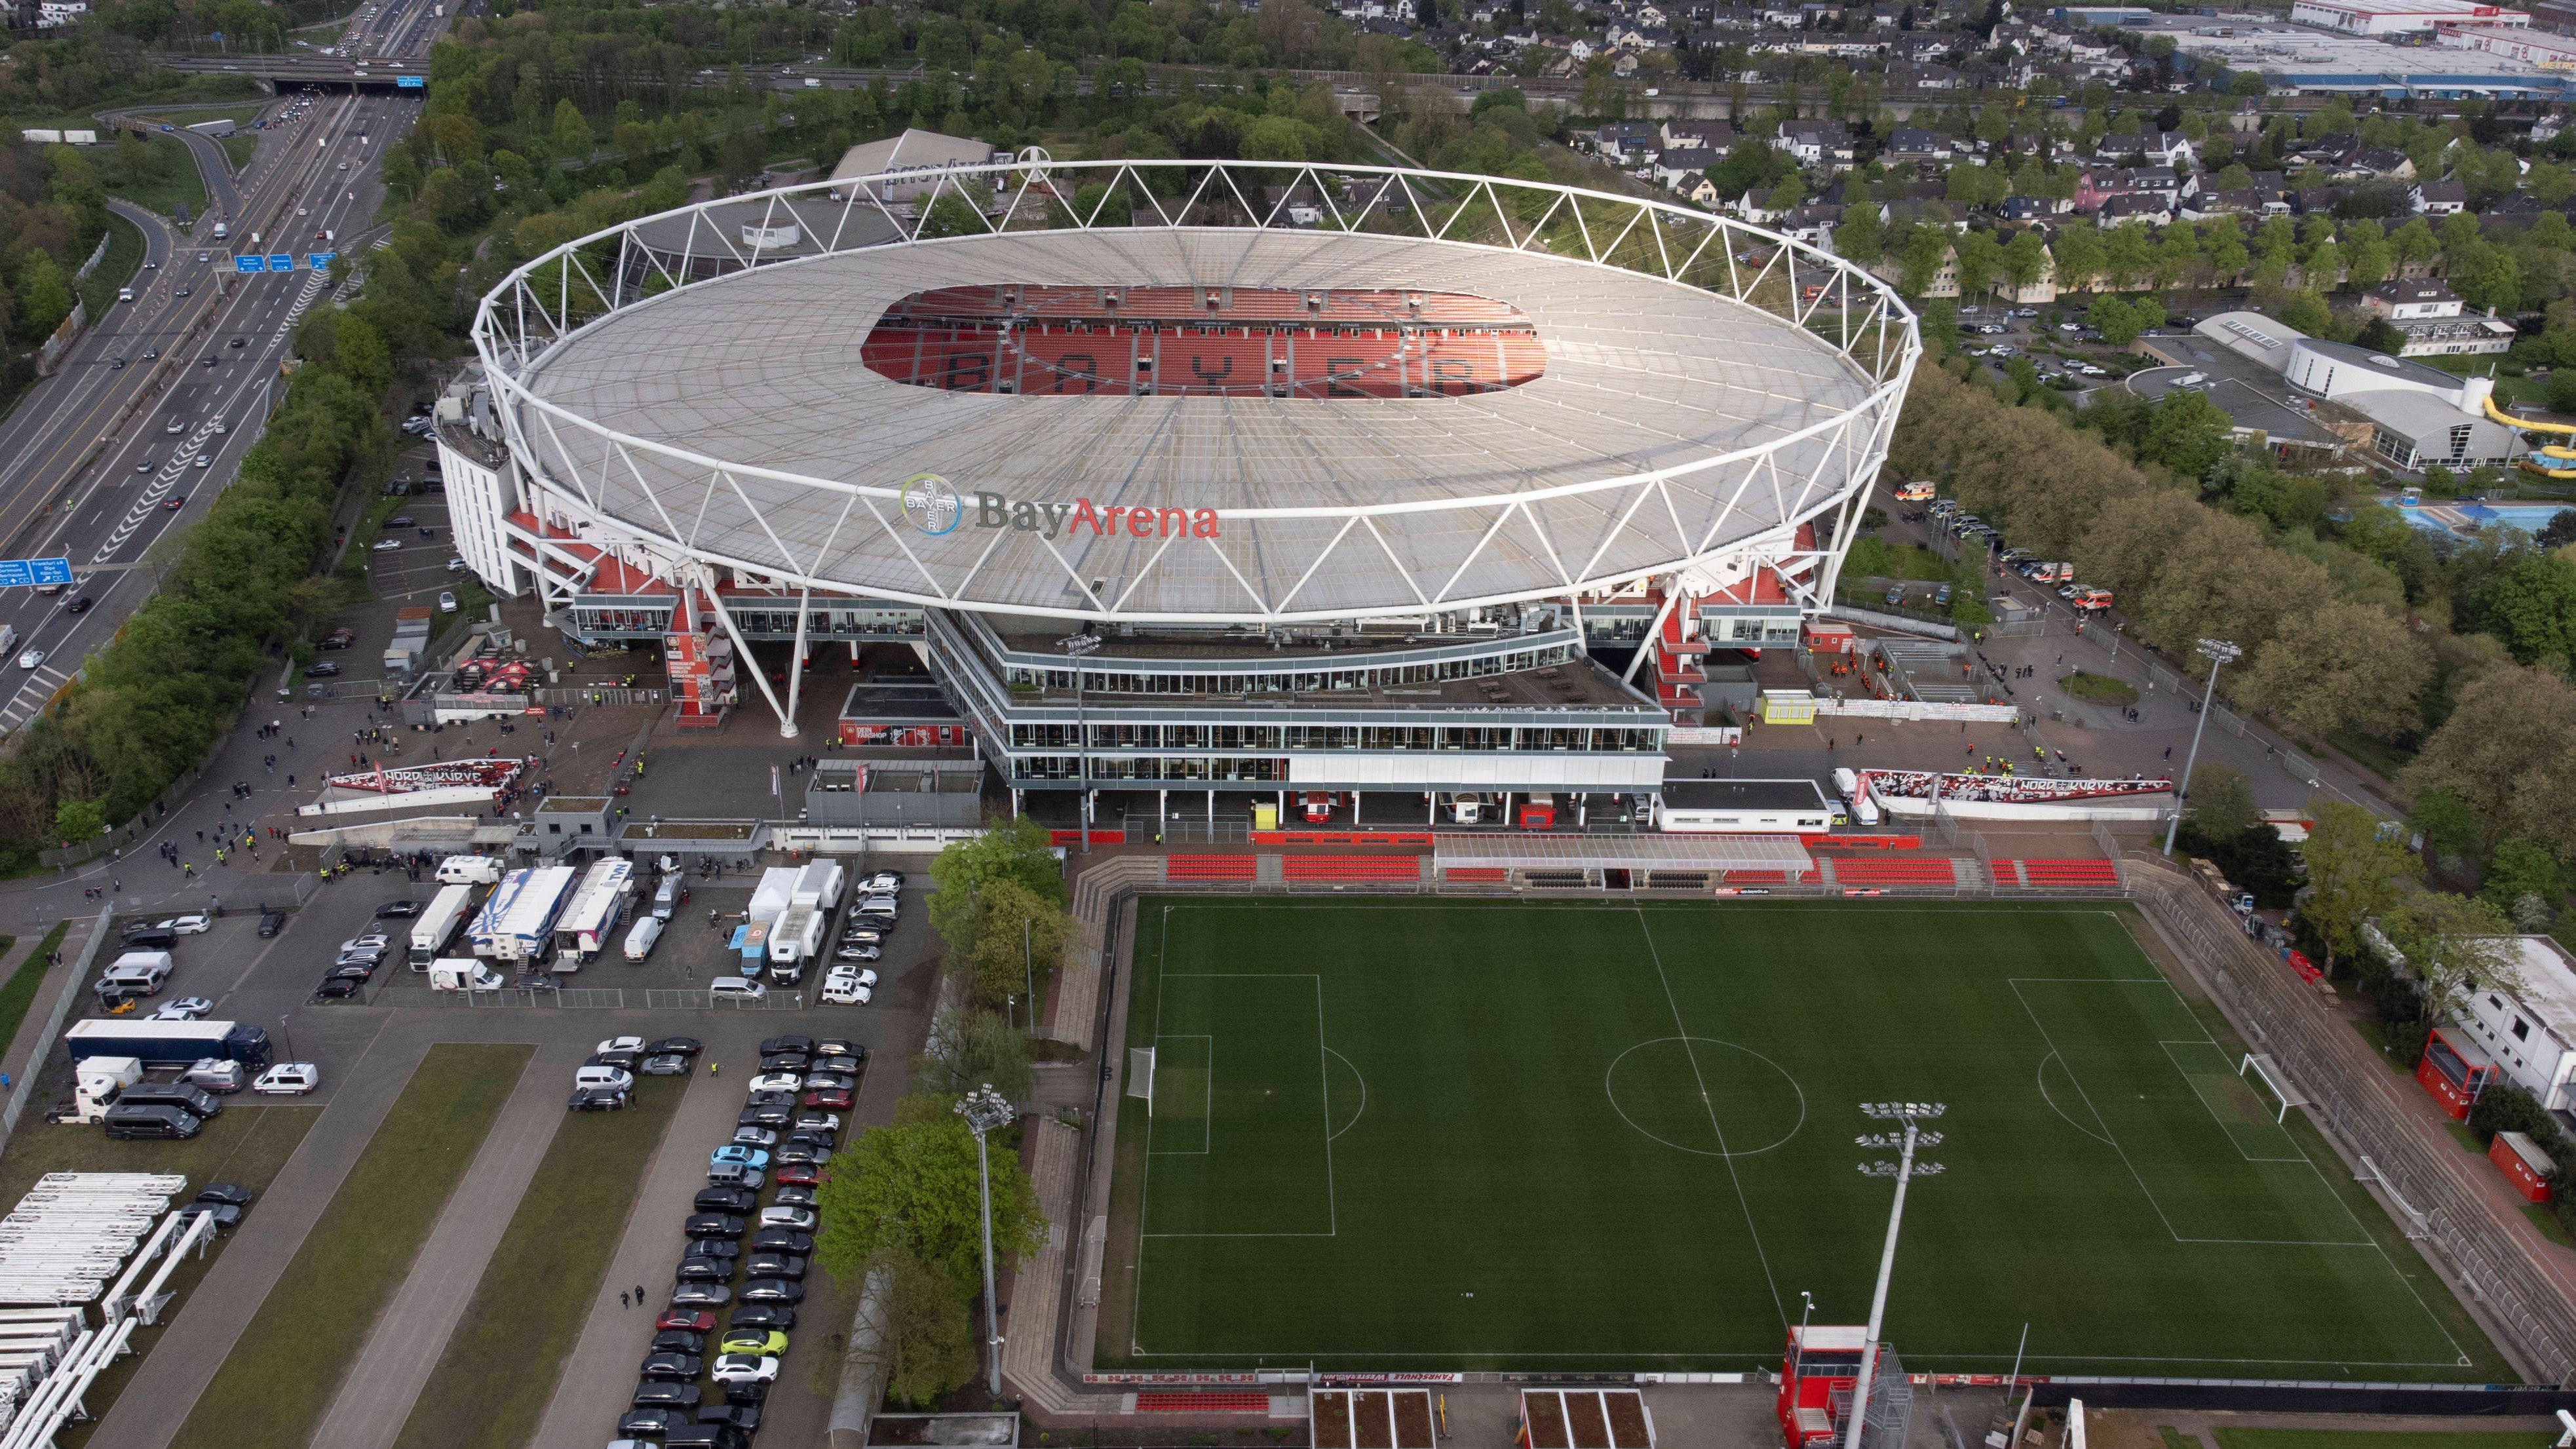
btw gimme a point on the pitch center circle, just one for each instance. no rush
(1704, 1096)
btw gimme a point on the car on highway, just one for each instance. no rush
(77, 604)
(175, 502)
(145, 466)
(31, 658)
(150, 353)
(294, 1079)
(175, 425)
(238, 342)
(204, 257)
(179, 292)
(206, 361)
(116, 364)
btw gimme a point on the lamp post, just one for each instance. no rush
(985, 1109)
(1075, 647)
(2217, 652)
(1905, 1169)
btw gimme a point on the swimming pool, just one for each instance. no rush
(2462, 518)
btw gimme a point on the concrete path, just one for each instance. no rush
(601, 1372)
(148, 1414)
(412, 1332)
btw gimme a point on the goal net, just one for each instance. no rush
(1140, 1076)
(2271, 1084)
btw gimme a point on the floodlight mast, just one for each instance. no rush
(2217, 652)
(1912, 1114)
(985, 1109)
(1075, 647)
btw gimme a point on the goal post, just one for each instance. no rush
(2267, 1076)
(1140, 1076)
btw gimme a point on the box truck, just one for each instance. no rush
(796, 939)
(167, 1043)
(438, 925)
(462, 973)
(596, 907)
(518, 922)
(469, 870)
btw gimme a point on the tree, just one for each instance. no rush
(2187, 433)
(44, 297)
(2222, 803)
(571, 137)
(1018, 850)
(2452, 946)
(1018, 933)
(970, 1048)
(2079, 256)
(1978, 258)
(1861, 237)
(2025, 258)
(2504, 755)
(911, 1188)
(2341, 665)
(2532, 607)
(2524, 881)
(924, 1335)
(2353, 874)
(2307, 312)
(77, 822)
(2225, 248)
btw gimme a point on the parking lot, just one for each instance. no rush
(367, 1046)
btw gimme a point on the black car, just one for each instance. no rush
(238, 342)
(792, 1195)
(677, 1367)
(724, 1249)
(774, 1265)
(685, 1046)
(777, 1044)
(726, 1200)
(679, 1340)
(764, 1315)
(763, 1116)
(771, 1099)
(821, 1137)
(656, 1394)
(670, 1064)
(783, 1062)
(322, 669)
(270, 923)
(743, 1417)
(846, 1066)
(652, 1423)
(750, 1395)
(713, 1225)
(706, 1270)
(337, 988)
(227, 1217)
(596, 1099)
(79, 605)
(150, 938)
(622, 1061)
(772, 1290)
(782, 1240)
(397, 910)
(225, 1192)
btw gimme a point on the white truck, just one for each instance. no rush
(469, 870)
(462, 973)
(595, 910)
(95, 1084)
(796, 939)
(518, 922)
(438, 924)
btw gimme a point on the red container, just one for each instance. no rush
(2523, 1164)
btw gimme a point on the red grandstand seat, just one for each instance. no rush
(1167, 1401)
(1355, 868)
(2068, 872)
(1897, 871)
(1210, 867)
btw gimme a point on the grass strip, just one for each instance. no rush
(281, 1376)
(124, 258)
(502, 1364)
(20, 991)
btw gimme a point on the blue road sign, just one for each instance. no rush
(408, 82)
(250, 264)
(281, 261)
(321, 261)
(21, 573)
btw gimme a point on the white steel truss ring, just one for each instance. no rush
(655, 494)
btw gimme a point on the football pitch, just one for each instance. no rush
(1555, 1136)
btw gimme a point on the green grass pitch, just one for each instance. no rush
(1505, 1135)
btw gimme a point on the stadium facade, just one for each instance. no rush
(1208, 476)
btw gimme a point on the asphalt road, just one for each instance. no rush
(105, 458)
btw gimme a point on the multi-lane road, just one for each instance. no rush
(153, 407)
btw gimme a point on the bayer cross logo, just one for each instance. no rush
(931, 504)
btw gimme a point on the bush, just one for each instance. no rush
(2504, 1107)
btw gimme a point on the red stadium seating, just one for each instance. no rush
(1351, 867)
(1475, 875)
(2066, 872)
(1900, 871)
(1757, 877)
(1164, 1401)
(1209, 867)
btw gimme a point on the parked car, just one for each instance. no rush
(774, 1265)
(692, 1319)
(838, 1097)
(186, 1008)
(679, 1340)
(782, 1240)
(721, 1249)
(765, 1114)
(849, 988)
(701, 1295)
(596, 1099)
(773, 1290)
(800, 1174)
(666, 1066)
(288, 1079)
(755, 1137)
(397, 910)
(685, 1046)
(656, 1393)
(758, 1341)
(736, 988)
(744, 1368)
(216, 1076)
(652, 1423)
(735, 1155)
(713, 1225)
(706, 1270)
(270, 923)
(801, 1219)
(777, 1044)
(677, 1367)
(633, 1044)
(763, 1315)
(782, 1081)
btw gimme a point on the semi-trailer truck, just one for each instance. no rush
(168, 1043)
(518, 922)
(438, 925)
(595, 910)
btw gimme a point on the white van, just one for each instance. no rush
(462, 973)
(639, 940)
(159, 963)
(459, 869)
(666, 897)
(603, 1078)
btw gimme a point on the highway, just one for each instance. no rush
(148, 417)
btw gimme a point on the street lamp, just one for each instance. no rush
(1075, 647)
(2217, 652)
(985, 1109)
(1905, 1169)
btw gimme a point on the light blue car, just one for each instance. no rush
(734, 1154)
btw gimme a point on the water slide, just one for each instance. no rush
(2549, 462)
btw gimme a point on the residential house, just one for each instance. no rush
(2432, 317)
(2042, 290)
(1627, 143)
(1813, 224)
(1678, 166)
(2440, 198)
(1718, 136)
(1945, 282)
(1908, 143)
(1815, 143)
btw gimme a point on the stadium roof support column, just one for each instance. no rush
(751, 666)
(1654, 629)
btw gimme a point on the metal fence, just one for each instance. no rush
(2354, 1103)
(605, 998)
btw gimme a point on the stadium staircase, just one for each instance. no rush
(1967, 872)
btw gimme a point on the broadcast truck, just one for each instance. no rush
(518, 922)
(438, 925)
(595, 910)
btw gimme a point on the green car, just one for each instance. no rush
(765, 1342)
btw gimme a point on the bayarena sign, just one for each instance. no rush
(934, 508)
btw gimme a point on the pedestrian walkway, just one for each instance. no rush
(409, 1337)
(20, 1061)
(601, 1373)
(149, 1411)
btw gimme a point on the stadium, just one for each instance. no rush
(1323, 481)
